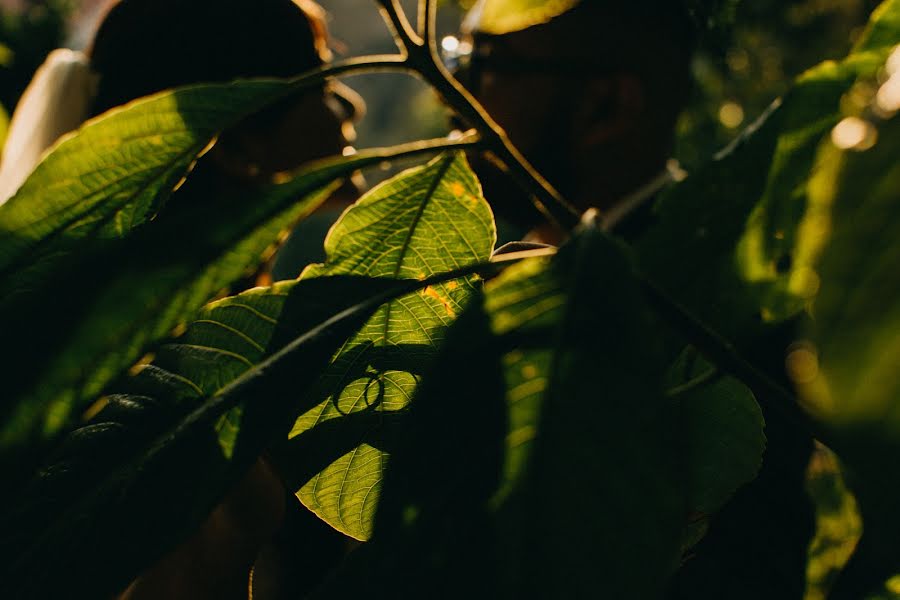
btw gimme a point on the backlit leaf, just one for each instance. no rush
(426, 221)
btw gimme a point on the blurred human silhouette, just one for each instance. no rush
(142, 47)
(591, 97)
(146, 46)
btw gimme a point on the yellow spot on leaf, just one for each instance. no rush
(457, 189)
(529, 371)
(431, 292)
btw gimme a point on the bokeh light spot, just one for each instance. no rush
(854, 133)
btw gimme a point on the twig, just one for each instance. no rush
(423, 59)
(404, 35)
(427, 24)
(729, 359)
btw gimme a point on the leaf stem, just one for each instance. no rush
(404, 35)
(722, 353)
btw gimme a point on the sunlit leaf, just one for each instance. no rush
(847, 371)
(505, 16)
(425, 221)
(129, 293)
(882, 28)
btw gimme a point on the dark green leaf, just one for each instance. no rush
(721, 430)
(847, 372)
(131, 483)
(583, 497)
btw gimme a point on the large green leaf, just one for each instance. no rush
(142, 287)
(115, 172)
(581, 496)
(134, 481)
(394, 232)
(882, 29)
(847, 371)
(505, 16)
(591, 464)
(427, 220)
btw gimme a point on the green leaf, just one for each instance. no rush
(882, 29)
(851, 378)
(846, 371)
(580, 497)
(116, 171)
(722, 429)
(505, 16)
(427, 220)
(590, 474)
(160, 452)
(129, 293)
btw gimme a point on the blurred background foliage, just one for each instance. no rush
(750, 59)
(768, 44)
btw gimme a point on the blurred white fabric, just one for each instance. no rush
(56, 102)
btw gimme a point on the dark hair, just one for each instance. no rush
(145, 46)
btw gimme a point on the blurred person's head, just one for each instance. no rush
(590, 97)
(145, 46)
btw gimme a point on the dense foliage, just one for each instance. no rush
(607, 419)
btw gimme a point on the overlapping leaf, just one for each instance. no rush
(134, 481)
(115, 173)
(505, 16)
(93, 189)
(582, 498)
(426, 221)
(125, 294)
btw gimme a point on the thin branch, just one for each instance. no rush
(426, 62)
(376, 155)
(697, 382)
(372, 63)
(427, 24)
(405, 36)
(729, 359)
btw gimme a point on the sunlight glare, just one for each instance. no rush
(893, 62)
(450, 44)
(854, 133)
(888, 97)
